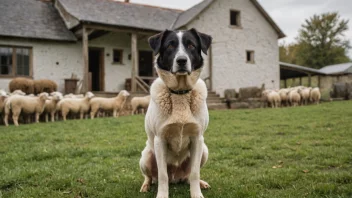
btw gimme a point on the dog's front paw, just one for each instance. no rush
(162, 195)
(204, 184)
(199, 195)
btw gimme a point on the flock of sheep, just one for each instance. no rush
(31, 98)
(291, 96)
(56, 104)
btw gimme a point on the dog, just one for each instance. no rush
(177, 115)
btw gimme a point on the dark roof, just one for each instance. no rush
(345, 68)
(32, 19)
(188, 15)
(288, 70)
(121, 14)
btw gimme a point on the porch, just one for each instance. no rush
(115, 58)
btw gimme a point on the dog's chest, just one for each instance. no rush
(180, 120)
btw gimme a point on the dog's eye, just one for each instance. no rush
(170, 46)
(190, 46)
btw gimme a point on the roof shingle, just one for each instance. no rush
(32, 19)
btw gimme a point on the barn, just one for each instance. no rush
(104, 42)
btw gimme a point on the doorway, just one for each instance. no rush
(96, 69)
(146, 63)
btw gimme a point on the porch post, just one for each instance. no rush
(309, 80)
(134, 61)
(300, 81)
(285, 83)
(85, 59)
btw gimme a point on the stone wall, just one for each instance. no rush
(230, 69)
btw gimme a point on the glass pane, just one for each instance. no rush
(117, 56)
(5, 60)
(22, 61)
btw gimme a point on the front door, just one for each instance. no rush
(96, 69)
(146, 63)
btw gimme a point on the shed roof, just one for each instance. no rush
(288, 70)
(121, 14)
(344, 68)
(32, 19)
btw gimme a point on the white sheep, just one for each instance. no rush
(3, 97)
(17, 92)
(284, 97)
(294, 97)
(51, 105)
(74, 95)
(75, 105)
(140, 102)
(28, 105)
(272, 98)
(315, 95)
(115, 104)
(305, 94)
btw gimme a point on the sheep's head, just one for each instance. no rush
(89, 95)
(3, 93)
(18, 92)
(124, 93)
(44, 96)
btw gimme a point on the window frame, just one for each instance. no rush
(238, 19)
(252, 56)
(14, 62)
(121, 56)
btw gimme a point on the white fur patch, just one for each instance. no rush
(181, 52)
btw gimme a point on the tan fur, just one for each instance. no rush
(115, 104)
(294, 97)
(139, 102)
(284, 97)
(305, 94)
(44, 85)
(51, 106)
(74, 95)
(175, 120)
(24, 84)
(315, 95)
(75, 105)
(28, 105)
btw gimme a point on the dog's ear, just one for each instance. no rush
(205, 40)
(156, 41)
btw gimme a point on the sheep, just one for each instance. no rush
(17, 92)
(304, 92)
(75, 105)
(50, 106)
(44, 85)
(284, 97)
(115, 104)
(315, 95)
(74, 95)
(29, 105)
(294, 97)
(24, 84)
(140, 102)
(3, 97)
(272, 98)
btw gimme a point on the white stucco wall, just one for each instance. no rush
(45, 56)
(116, 74)
(229, 68)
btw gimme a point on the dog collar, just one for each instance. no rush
(182, 92)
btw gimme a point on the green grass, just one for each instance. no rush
(311, 148)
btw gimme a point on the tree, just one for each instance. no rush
(321, 41)
(288, 53)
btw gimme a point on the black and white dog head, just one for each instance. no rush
(180, 51)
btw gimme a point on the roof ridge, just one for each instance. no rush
(145, 5)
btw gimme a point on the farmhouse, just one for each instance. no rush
(104, 42)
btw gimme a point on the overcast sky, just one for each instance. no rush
(288, 14)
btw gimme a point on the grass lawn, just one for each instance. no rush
(289, 152)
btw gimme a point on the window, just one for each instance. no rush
(15, 61)
(235, 18)
(117, 56)
(250, 56)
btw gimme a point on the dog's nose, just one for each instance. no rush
(181, 60)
